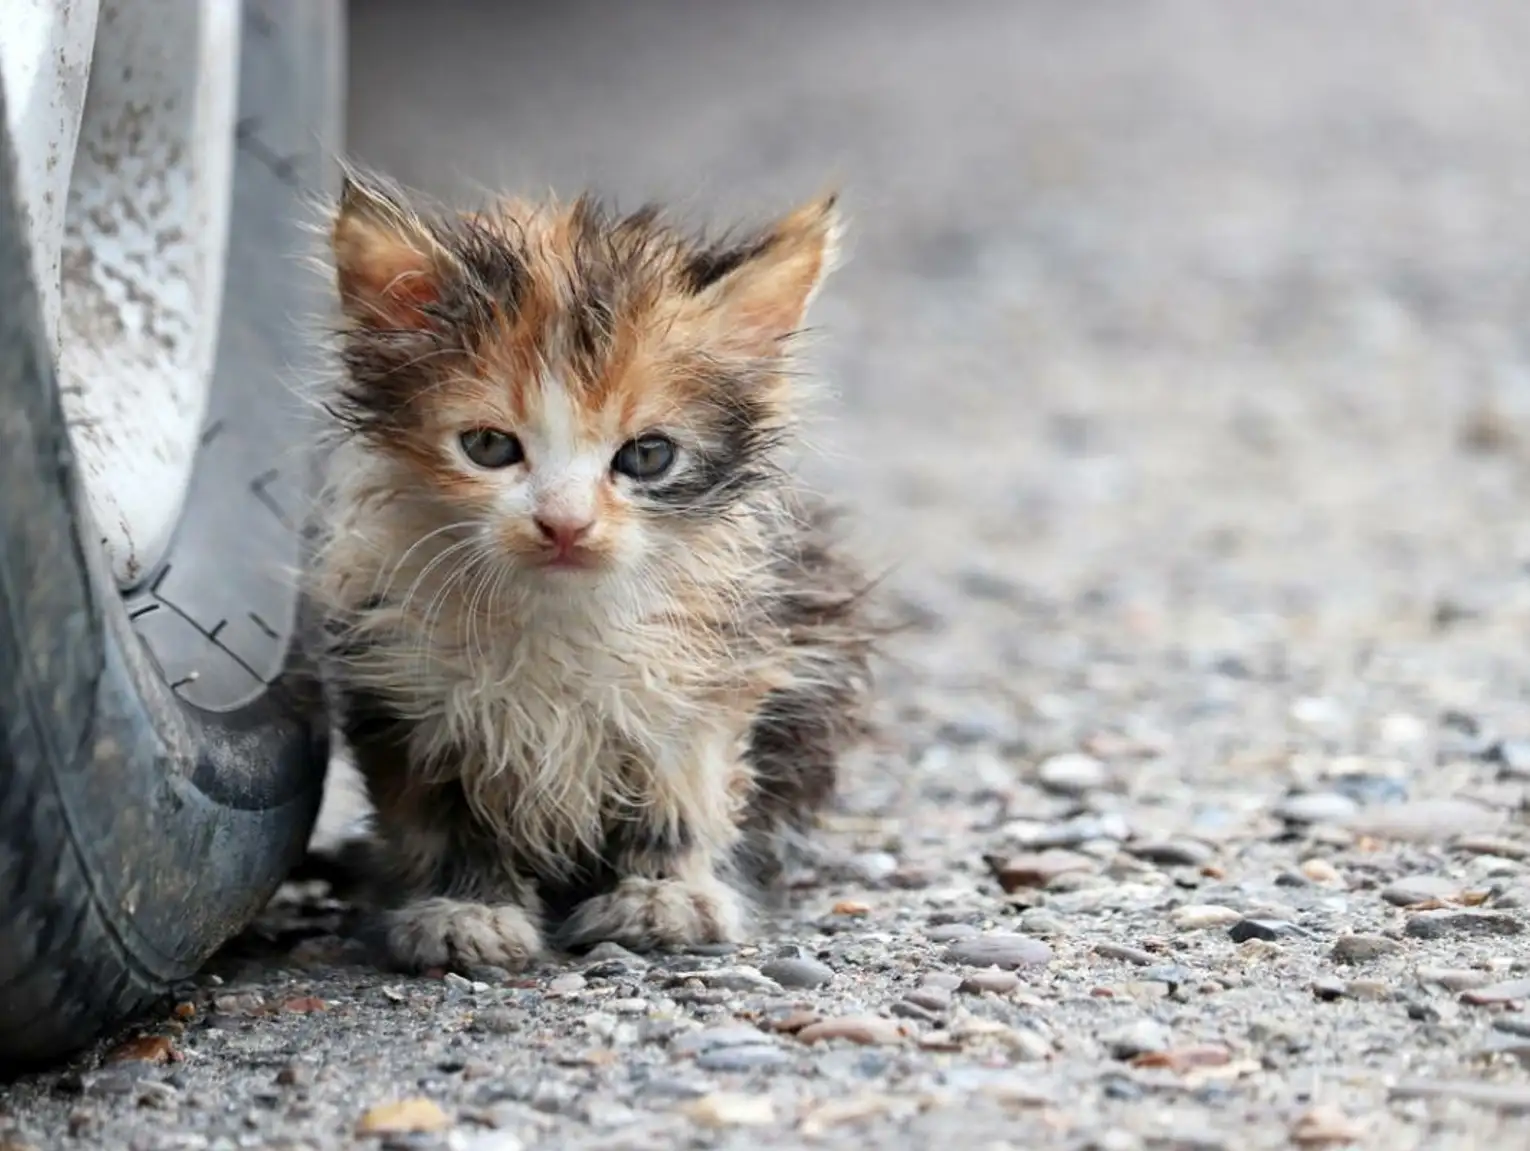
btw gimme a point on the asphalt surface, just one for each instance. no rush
(1183, 391)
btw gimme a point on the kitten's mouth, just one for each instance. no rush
(577, 559)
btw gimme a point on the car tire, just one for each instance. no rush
(162, 753)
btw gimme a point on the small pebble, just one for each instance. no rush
(1368, 989)
(1453, 978)
(1127, 954)
(930, 998)
(1072, 774)
(1040, 921)
(567, 984)
(1367, 788)
(873, 867)
(1037, 869)
(724, 1109)
(498, 1021)
(941, 980)
(1000, 950)
(993, 981)
(907, 1010)
(1449, 923)
(710, 1038)
(1317, 807)
(1195, 916)
(752, 1057)
(1326, 1126)
(1268, 930)
(1425, 821)
(1496, 993)
(1320, 871)
(405, 1117)
(947, 932)
(1513, 1025)
(797, 973)
(1493, 845)
(1363, 948)
(868, 1030)
(1173, 852)
(1419, 889)
(739, 978)
(1139, 1038)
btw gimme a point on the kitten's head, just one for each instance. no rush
(584, 389)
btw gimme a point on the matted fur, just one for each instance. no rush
(583, 749)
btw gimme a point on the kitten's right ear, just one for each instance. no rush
(388, 266)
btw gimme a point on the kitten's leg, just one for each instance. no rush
(672, 869)
(441, 932)
(677, 904)
(452, 892)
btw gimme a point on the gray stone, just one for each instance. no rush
(739, 978)
(711, 1038)
(1495, 994)
(1363, 948)
(907, 1010)
(1040, 921)
(930, 998)
(1449, 924)
(1367, 788)
(745, 1057)
(1125, 953)
(1453, 978)
(1513, 1025)
(797, 972)
(1317, 807)
(947, 932)
(499, 1020)
(1426, 821)
(1419, 889)
(993, 981)
(1001, 950)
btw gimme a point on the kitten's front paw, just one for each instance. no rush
(448, 932)
(647, 913)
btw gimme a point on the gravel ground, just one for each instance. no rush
(1185, 396)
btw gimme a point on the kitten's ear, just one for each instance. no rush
(759, 291)
(388, 267)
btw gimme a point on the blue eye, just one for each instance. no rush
(645, 458)
(491, 448)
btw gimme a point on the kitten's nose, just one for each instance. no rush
(563, 534)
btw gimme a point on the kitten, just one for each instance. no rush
(593, 651)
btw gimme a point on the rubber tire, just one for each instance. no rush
(162, 755)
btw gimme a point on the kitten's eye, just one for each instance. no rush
(644, 458)
(491, 448)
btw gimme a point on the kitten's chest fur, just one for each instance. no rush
(561, 726)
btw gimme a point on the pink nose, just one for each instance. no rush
(563, 534)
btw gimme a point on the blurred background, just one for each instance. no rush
(1182, 346)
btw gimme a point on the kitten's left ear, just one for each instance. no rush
(388, 266)
(759, 291)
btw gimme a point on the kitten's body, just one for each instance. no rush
(581, 737)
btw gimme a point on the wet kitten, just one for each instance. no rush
(592, 651)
